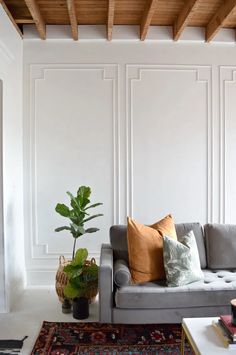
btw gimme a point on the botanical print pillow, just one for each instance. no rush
(181, 260)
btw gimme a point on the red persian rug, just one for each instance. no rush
(108, 339)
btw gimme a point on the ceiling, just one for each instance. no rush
(211, 14)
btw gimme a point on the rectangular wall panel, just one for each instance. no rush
(169, 142)
(2, 251)
(228, 144)
(73, 142)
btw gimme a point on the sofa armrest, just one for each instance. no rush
(121, 273)
(106, 284)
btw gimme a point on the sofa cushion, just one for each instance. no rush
(181, 260)
(217, 287)
(145, 246)
(121, 273)
(118, 240)
(184, 228)
(221, 245)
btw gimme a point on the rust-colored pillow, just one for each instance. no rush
(145, 247)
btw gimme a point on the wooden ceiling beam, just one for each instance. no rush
(11, 17)
(73, 19)
(110, 18)
(24, 20)
(147, 18)
(37, 17)
(183, 18)
(219, 19)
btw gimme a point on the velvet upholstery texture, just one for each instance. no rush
(122, 275)
(145, 247)
(215, 289)
(221, 246)
(118, 240)
(184, 228)
(155, 302)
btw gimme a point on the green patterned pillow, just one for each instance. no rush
(181, 260)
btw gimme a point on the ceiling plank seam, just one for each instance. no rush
(24, 20)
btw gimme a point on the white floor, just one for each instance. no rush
(35, 306)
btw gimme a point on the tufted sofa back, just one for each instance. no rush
(221, 245)
(118, 240)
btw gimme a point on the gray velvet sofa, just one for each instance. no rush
(154, 302)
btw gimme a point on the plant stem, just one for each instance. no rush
(73, 254)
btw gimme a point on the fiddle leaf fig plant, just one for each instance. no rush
(78, 214)
(81, 276)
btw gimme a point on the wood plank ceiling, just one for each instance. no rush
(211, 14)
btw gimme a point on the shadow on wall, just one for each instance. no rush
(3, 306)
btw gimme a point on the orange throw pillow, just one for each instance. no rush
(145, 247)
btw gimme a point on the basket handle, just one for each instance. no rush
(93, 261)
(62, 260)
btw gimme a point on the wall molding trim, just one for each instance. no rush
(227, 75)
(109, 72)
(203, 74)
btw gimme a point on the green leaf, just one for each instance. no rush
(59, 229)
(76, 273)
(74, 202)
(91, 274)
(94, 205)
(71, 291)
(81, 255)
(80, 229)
(78, 282)
(77, 216)
(83, 195)
(91, 217)
(73, 231)
(70, 269)
(91, 230)
(62, 209)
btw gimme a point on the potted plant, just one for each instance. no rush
(77, 214)
(82, 277)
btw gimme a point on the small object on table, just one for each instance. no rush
(224, 336)
(226, 323)
(203, 338)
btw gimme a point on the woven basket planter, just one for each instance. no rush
(62, 279)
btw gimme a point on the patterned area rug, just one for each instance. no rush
(108, 339)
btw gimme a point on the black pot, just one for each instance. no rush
(81, 308)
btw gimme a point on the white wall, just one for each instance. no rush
(149, 126)
(12, 269)
(3, 305)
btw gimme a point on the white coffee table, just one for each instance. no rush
(202, 337)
